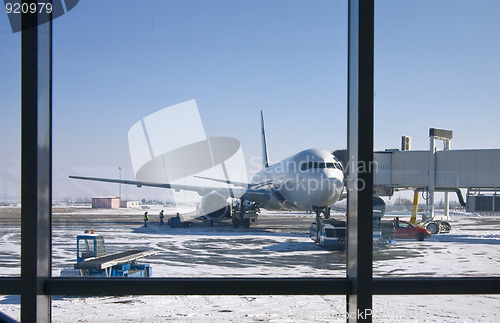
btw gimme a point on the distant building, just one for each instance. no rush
(105, 202)
(129, 204)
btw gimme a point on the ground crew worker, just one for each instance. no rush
(161, 218)
(146, 218)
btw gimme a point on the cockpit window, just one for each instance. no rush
(317, 165)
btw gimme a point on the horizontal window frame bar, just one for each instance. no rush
(197, 286)
(116, 286)
(436, 286)
(10, 285)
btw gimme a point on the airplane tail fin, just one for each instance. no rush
(265, 156)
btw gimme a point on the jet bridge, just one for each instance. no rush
(454, 169)
(441, 171)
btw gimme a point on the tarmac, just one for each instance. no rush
(278, 246)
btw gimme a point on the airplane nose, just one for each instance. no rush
(320, 190)
(336, 186)
(327, 191)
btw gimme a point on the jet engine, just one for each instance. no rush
(379, 204)
(214, 206)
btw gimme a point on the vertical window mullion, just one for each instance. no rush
(36, 164)
(360, 158)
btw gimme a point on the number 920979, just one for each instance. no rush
(24, 7)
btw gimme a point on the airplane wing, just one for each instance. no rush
(240, 184)
(255, 195)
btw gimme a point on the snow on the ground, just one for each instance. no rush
(278, 247)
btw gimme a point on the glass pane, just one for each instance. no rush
(175, 91)
(436, 79)
(10, 152)
(10, 161)
(201, 308)
(436, 308)
(10, 306)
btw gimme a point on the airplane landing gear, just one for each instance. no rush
(319, 222)
(327, 212)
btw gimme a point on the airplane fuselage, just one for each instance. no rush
(311, 178)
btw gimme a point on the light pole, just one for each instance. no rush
(120, 185)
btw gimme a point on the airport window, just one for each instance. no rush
(122, 141)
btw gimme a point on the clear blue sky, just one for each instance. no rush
(115, 62)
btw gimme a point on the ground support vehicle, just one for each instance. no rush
(330, 233)
(407, 230)
(92, 260)
(176, 222)
(383, 233)
(436, 226)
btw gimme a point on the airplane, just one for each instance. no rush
(311, 180)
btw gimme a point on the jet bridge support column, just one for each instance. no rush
(447, 194)
(432, 177)
(446, 136)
